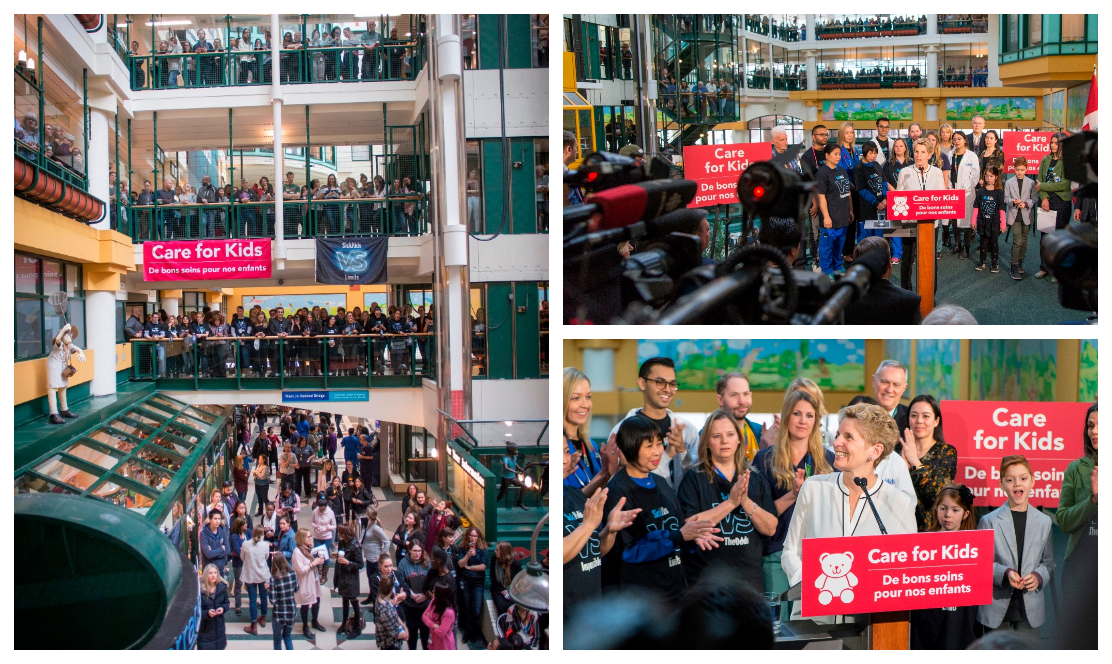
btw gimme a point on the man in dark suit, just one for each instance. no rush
(975, 139)
(889, 385)
(884, 304)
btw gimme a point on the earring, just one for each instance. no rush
(869, 459)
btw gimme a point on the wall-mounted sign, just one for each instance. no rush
(205, 260)
(326, 395)
(467, 488)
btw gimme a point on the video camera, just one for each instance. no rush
(662, 280)
(1071, 253)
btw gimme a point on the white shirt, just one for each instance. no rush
(822, 510)
(893, 470)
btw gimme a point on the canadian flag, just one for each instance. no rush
(1091, 107)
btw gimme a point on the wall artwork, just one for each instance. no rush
(292, 303)
(1076, 99)
(990, 108)
(936, 367)
(1013, 369)
(1087, 373)
(846, 110)
(835, 364)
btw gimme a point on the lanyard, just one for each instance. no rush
(585, 465)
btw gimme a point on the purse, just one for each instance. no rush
(69, 371)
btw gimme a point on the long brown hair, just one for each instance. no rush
(960, 494)
(782, 467)
(706, 462)
(504, 559)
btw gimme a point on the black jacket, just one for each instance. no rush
(211, 635)
(901, 418)
(347, 576)
(885, 304)
(275, 326)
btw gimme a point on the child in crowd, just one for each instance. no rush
(833, 187)
(872, 188)
(1020, 200)
(952, 627)
(988, 206)
(1023, 554)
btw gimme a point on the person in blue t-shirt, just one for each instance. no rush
(509, 475)
(833, 188)
(351, 446)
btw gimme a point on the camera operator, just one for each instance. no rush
(884, 304)
(784, 234)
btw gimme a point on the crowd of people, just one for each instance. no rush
(424, 583)
(873, 26)
(877, 76)
(58, 143)
(236, 211)
(701, 99)
(668, 508)
(191, 60)
(309, 342)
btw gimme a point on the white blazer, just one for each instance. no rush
(909, 180)
(822, 510)
(969, 172)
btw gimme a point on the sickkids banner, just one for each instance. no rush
(716, 169)
(1050, 435)
(352, 260)
(202, 260)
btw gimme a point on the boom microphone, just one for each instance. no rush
(628, 204)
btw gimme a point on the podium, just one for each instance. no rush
(885, 630)
(925, 260)
(890, 630)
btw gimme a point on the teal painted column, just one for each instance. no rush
(500, 324)
(523, 187)
(520, 48)
(493, 182)
(527, 329)
(488, 41)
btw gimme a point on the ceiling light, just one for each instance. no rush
(174, 22)
(434, 453)
(509, 423)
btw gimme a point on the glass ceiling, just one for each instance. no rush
(129, 460)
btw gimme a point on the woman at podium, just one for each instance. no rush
(833, 505)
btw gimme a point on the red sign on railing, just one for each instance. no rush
(1032, 145)
(200, 260)
(716, 168)
(896, 572)
(1049, 434)
(926, 205)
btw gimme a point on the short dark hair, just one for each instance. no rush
(884, 119)
(720, 386)
(862, 398)
(830, 147)
(872, 243)
(569, 140)
(723, 613)
(780, 232)
(647, 365)
(1090, 450)
(634, 431)
(868, 147)
(816, 128)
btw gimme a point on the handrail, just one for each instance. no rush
(293, 337)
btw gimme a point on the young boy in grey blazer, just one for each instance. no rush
(1020, 200)
(1023, 555)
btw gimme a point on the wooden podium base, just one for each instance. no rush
(925, 260)
(891, 630)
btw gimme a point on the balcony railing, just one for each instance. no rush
(837, 81)
(271, 363)
(382, 62)
(789, 83)
(687, 106)
(977, 24)
(395, 217)
(885, 29)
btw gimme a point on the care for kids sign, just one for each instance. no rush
(716, 169)
(1032, 145)
(926, 205)
(896, 572)
(206, 259)
(1049, 434)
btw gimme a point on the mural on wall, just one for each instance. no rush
(1055, 110)
(1076, 98)
(991, 108)
(936, 367)
(843, 110)
(1087, 374)
(835, 364)
(1013, 369)
(898, 350)
(291, 303)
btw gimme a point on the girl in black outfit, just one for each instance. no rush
(410, 495)
(502, 571)
(949, 628)
(988, 217)
(647, 554)
(361, 498)
(348, 478)
(409, 529)
(347, 581)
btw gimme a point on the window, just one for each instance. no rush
(1073, 27)
(470, 40)
(1034, 29)
(540, 39)
(542, 324)
(478, 332)
(192, 302)
(37, 322)
(121, 319)
(474, 187)
(540, 170)
(1012, 33)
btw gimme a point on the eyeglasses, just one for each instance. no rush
(662, 384)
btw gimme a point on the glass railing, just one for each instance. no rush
(950, 26)
(386, 61)
(854, 30)
(685, 105)
(831, 80)
(271, 362)
(395, 217)
(761, 80)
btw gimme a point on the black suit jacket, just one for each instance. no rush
(979, 146)
(901, 418)
(885, 304)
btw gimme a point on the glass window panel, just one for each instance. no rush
(28, 328)
(94, 455)
(160, 406)
(57, 469)
(27, 274)
(121, 318)
(52, 277)
(1073, 28)
(1034, 29)
(139, 431)
(171, 405)
(75, 315)
(159, 454)
(111, 440)
(73, 280)
(29, 483)
(183, 434)
(1012, 32)
(207, 413)
(147, 418)
(474, 187)
(146, 474)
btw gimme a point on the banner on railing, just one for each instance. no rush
(201, 260)
(351, 260)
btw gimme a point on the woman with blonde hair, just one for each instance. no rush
(745, 517)
(305, 565)
(850, 156)
(214, 604)
(946, 139)
(591, 472)
(797, 454)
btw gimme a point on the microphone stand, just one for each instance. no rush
(864, 484)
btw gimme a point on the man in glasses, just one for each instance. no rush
(657, 381)
(810, 161)
(881, 139)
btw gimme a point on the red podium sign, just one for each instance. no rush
(896, 572)
(1032, 145)
(926, 205)
(201, 260)
(716, 168)
(1049, 434)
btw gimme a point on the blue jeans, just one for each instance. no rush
(471, 603)
(897, 247)
(830, 249)
(210, 223)
(318, 542)
(283, 633)
(174, 73)
(160, 353)
(257, 594)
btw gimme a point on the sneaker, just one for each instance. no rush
(1021, 270)
(816, 269)
(956, 250)
(895, 261)
(1015, 272)
(980, 266)
(1054, 280)
(995, 267)
(1041, 274)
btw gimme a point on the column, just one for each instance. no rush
(932, 24)
(97, 161)
(100, 338)
(171, 305)
(598, 364)
(810, 22)
(932, 66)
(812, 68)
(279, 177)
(993, 80)
(932, 109)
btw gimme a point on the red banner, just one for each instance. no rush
(716, 168)
(201, 260)
(1049, 434)
(896, 572)
(926, 205)
(1032, 145)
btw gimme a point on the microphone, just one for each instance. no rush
(683, 220)
(644, 201)
(864, 484)
(863, 272)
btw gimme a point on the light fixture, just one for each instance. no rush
(528, 482)
(508, 435)
(509, 423)
(31, 64)
(150, 24)
(22, 56)
(434, 453)
(530, 587)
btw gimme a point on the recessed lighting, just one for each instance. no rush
(508, 435)
(174, 22)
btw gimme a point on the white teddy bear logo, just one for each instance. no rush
(836, 579)
(899, 206)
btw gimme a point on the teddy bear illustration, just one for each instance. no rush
(899, 205)
(836, 579)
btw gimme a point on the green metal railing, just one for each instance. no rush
(266, 363)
